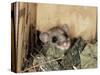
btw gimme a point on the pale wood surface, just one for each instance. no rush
(81, 20)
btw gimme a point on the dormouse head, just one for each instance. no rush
(57, 37)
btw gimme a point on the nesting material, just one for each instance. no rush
(51, 59)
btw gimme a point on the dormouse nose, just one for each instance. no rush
(54, 39)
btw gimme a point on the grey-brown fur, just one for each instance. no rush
(56, 36)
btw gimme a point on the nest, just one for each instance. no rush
(52, 59)
(40, 57)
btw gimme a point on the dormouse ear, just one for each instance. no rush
(65, 28)
(44, 37)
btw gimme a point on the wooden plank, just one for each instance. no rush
(13, 39)
(81, 20)
(25, 20)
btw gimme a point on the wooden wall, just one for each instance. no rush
(24, 16)
(81, 20)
